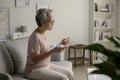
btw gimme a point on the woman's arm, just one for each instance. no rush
(39, 57)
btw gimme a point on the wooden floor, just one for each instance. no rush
(80, 72)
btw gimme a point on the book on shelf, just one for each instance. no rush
(96, 23)
(99, 36)
(106, 35)
(96, 7)
(109, 22)
(103, 9)
(96, 36)
(106, 8)
(110, 7)
(104, 24)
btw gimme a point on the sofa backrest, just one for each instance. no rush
(6, 64)
(18, 52)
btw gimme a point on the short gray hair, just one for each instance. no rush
(42, 15)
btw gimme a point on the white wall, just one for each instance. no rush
(20, 16)
(71, 18)
(118, 18)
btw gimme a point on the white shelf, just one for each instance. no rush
(105, 13)
(101, 41)
(102, 24)
(17, 35)
(102, 28)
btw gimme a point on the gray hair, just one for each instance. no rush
(42, 15)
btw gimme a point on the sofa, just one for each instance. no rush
(13, 55)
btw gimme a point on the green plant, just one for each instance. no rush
(111, 66)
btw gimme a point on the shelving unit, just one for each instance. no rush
(102, 22)
(17, 35)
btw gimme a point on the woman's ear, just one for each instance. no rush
(42, 22)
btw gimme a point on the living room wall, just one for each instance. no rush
(71, 18)
(118, 18)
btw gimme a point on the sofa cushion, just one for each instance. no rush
(18, 52)
(5, 60)
(5, 76)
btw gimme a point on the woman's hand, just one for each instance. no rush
(65, 41)
(58, 49)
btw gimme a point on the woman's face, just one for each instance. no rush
(50, 22)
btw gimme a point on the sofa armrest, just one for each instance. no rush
(58, 56)
(5, 76)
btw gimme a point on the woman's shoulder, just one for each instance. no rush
(34, 35)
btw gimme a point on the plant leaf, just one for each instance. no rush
(100, 48)
(116, 61)
(111, 66)
(115, 40)
(106, 68)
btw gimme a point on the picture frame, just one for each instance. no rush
(22, 3)
(43, 5)
(4, 23)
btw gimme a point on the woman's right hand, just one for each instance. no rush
(65, 41)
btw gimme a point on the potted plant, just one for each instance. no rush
(110, 66)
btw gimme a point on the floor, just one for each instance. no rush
(80, 72)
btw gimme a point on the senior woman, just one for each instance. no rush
(39, 66)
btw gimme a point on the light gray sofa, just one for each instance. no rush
(13, 55)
